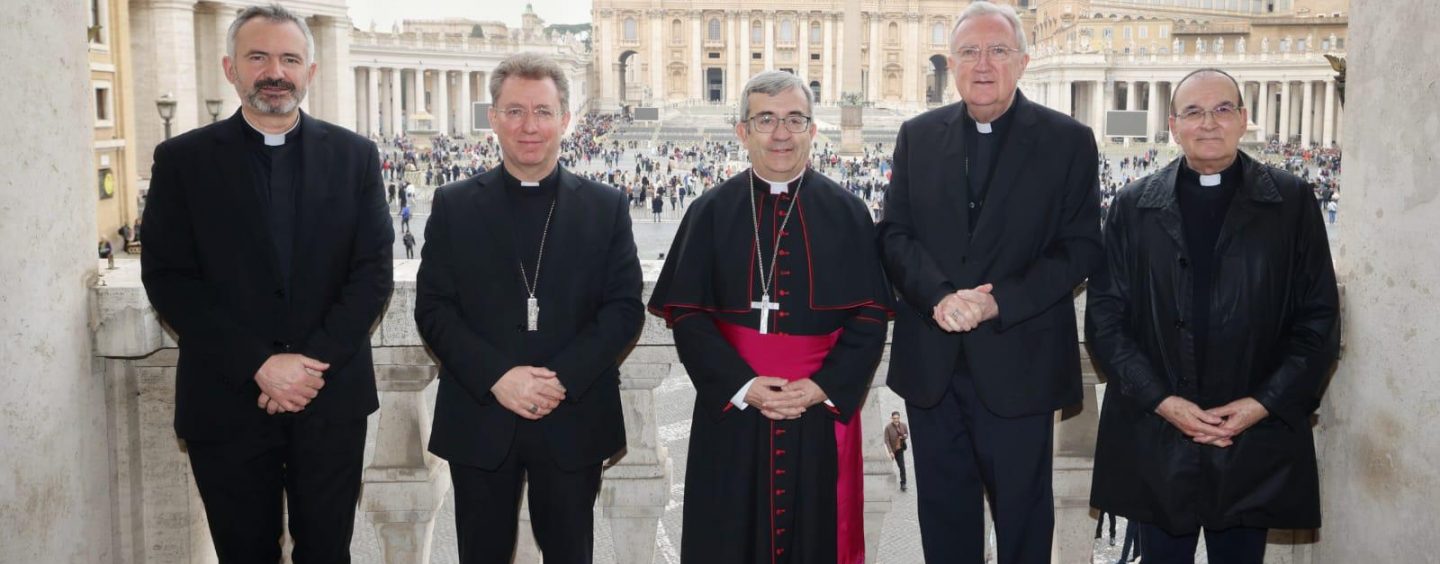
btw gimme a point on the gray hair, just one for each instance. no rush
(276, 14)
(980, 8)
(533, 66)
(772, 83)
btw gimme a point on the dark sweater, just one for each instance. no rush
(1202, 214)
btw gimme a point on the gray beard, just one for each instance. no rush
(257, 102)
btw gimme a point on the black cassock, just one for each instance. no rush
(758, 490)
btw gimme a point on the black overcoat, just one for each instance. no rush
(1273, 335)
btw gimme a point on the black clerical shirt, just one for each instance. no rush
(529, 206)
(982, 151)
(1202, 213)
(277, 172)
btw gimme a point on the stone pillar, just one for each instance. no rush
(912, 72)
(1377, 454)
(372, 100)
(697, 74)
(802, 48)
(55, 504)
(658, 90)
(397, 103)
(1263, 113)
(442, 103)
(1132, 95)
(467, 105)
(1328, 137)
(636, 490)
(1097, 109)
(162, 41)
(745, 50)
(1063, 97)
(733, 80)
(605, 37)
(404, 484)
(417, 96)
(1284, 130)
(875, 94)
(1155, 110)
(827, 63)
(769, 40)
(336, 92)
(1307, 113)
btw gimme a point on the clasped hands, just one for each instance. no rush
(531, 392)
(288, 382)
(1216, 426)
(964, 310)
(779, 399)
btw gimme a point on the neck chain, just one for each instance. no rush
(532, 305)
(766, 277)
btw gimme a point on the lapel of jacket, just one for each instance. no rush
(1160, 195)
(1257, 187)
(316, 157)
(1013, 156)
(566, 229)
(232, 159)
(493, 211)
(951, 172)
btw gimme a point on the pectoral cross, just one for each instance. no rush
(765, 305)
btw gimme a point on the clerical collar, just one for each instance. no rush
(546, 184)
(987, 128)
(779, 187)
(1231, 174)
(274, 139)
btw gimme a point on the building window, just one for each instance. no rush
(814, 56)
(1108, 34)
(104, 105)
(96, 22)
(1144, 32)
(677, 32)
(937, 34)
(632, 30)
(1164, 32)
(757, 32)
(787, 31)
(713, 55)
(755, 56)
(1127, 33)
(816, 35)
(713, 29)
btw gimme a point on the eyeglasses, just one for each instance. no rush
(1224, 113)
(997, 54)
(543, 115)
(765, 123)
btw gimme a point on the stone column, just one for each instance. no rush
(397, 102)
(442, 101)
(802, 48)
(1097, 108)
(769, 40)
(162, 40)
(336, 92)
(912, 71)
(636, 490)
(697, 74)
(733, 80)
(875, 48)
(606, 38)
(56, 500)
(223, 90)
(467, 105)
(745, 49)
(1328, 137)
(1285, 111)
(372, 100)
(1132, 95)
(404, 484)
(1156, 110)
(417, 95)
(1263, 115)
(658, 90)
(1307, 113)
(1377, 454)
(827, 63)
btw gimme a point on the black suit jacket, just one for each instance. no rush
(1037, 238)
(211, 272)
(470, 307)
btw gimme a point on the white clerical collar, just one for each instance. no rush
(272, 139)
(983, 127)
(781, 187)
(1210, 180)
(529, 184)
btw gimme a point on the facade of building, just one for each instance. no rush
(108, 36)
(1087, 56)
(177, 46)
(453, 59)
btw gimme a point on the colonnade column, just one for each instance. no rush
(1263, 115)
(697, 74)
(657, 67)
(372, 101)
(769, 40)
(912, 72)
(1153, 105)
(467, 105)
(827, 64)
(733, 80)
(1284, 112)
(743, 72)
(397, 103)
(1097, 108)
(1327, 137)
(875, 49)
(1307, 113)
(802, 48)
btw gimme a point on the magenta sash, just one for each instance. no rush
(796, 357)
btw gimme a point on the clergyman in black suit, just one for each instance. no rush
(991, 221)
(528, 295)
(268, 252)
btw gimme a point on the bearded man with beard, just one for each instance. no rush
(268, 254)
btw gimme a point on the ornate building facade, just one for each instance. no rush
(108, 38)
(432, 76)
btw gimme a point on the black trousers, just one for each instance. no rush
(308, 463)
(964, 452)
(900, 461)
(1236, 545)
(487, 504)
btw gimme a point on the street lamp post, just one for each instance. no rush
(166, 106)
(213, 106)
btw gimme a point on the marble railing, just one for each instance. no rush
(159, 518)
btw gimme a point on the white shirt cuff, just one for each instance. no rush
(738, 400)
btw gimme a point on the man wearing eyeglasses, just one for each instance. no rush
(991, 220)
(1216, 313)
(528, 295)
(774, 290)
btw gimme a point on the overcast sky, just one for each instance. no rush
(386, 12)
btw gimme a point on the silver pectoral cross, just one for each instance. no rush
(765, 305)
